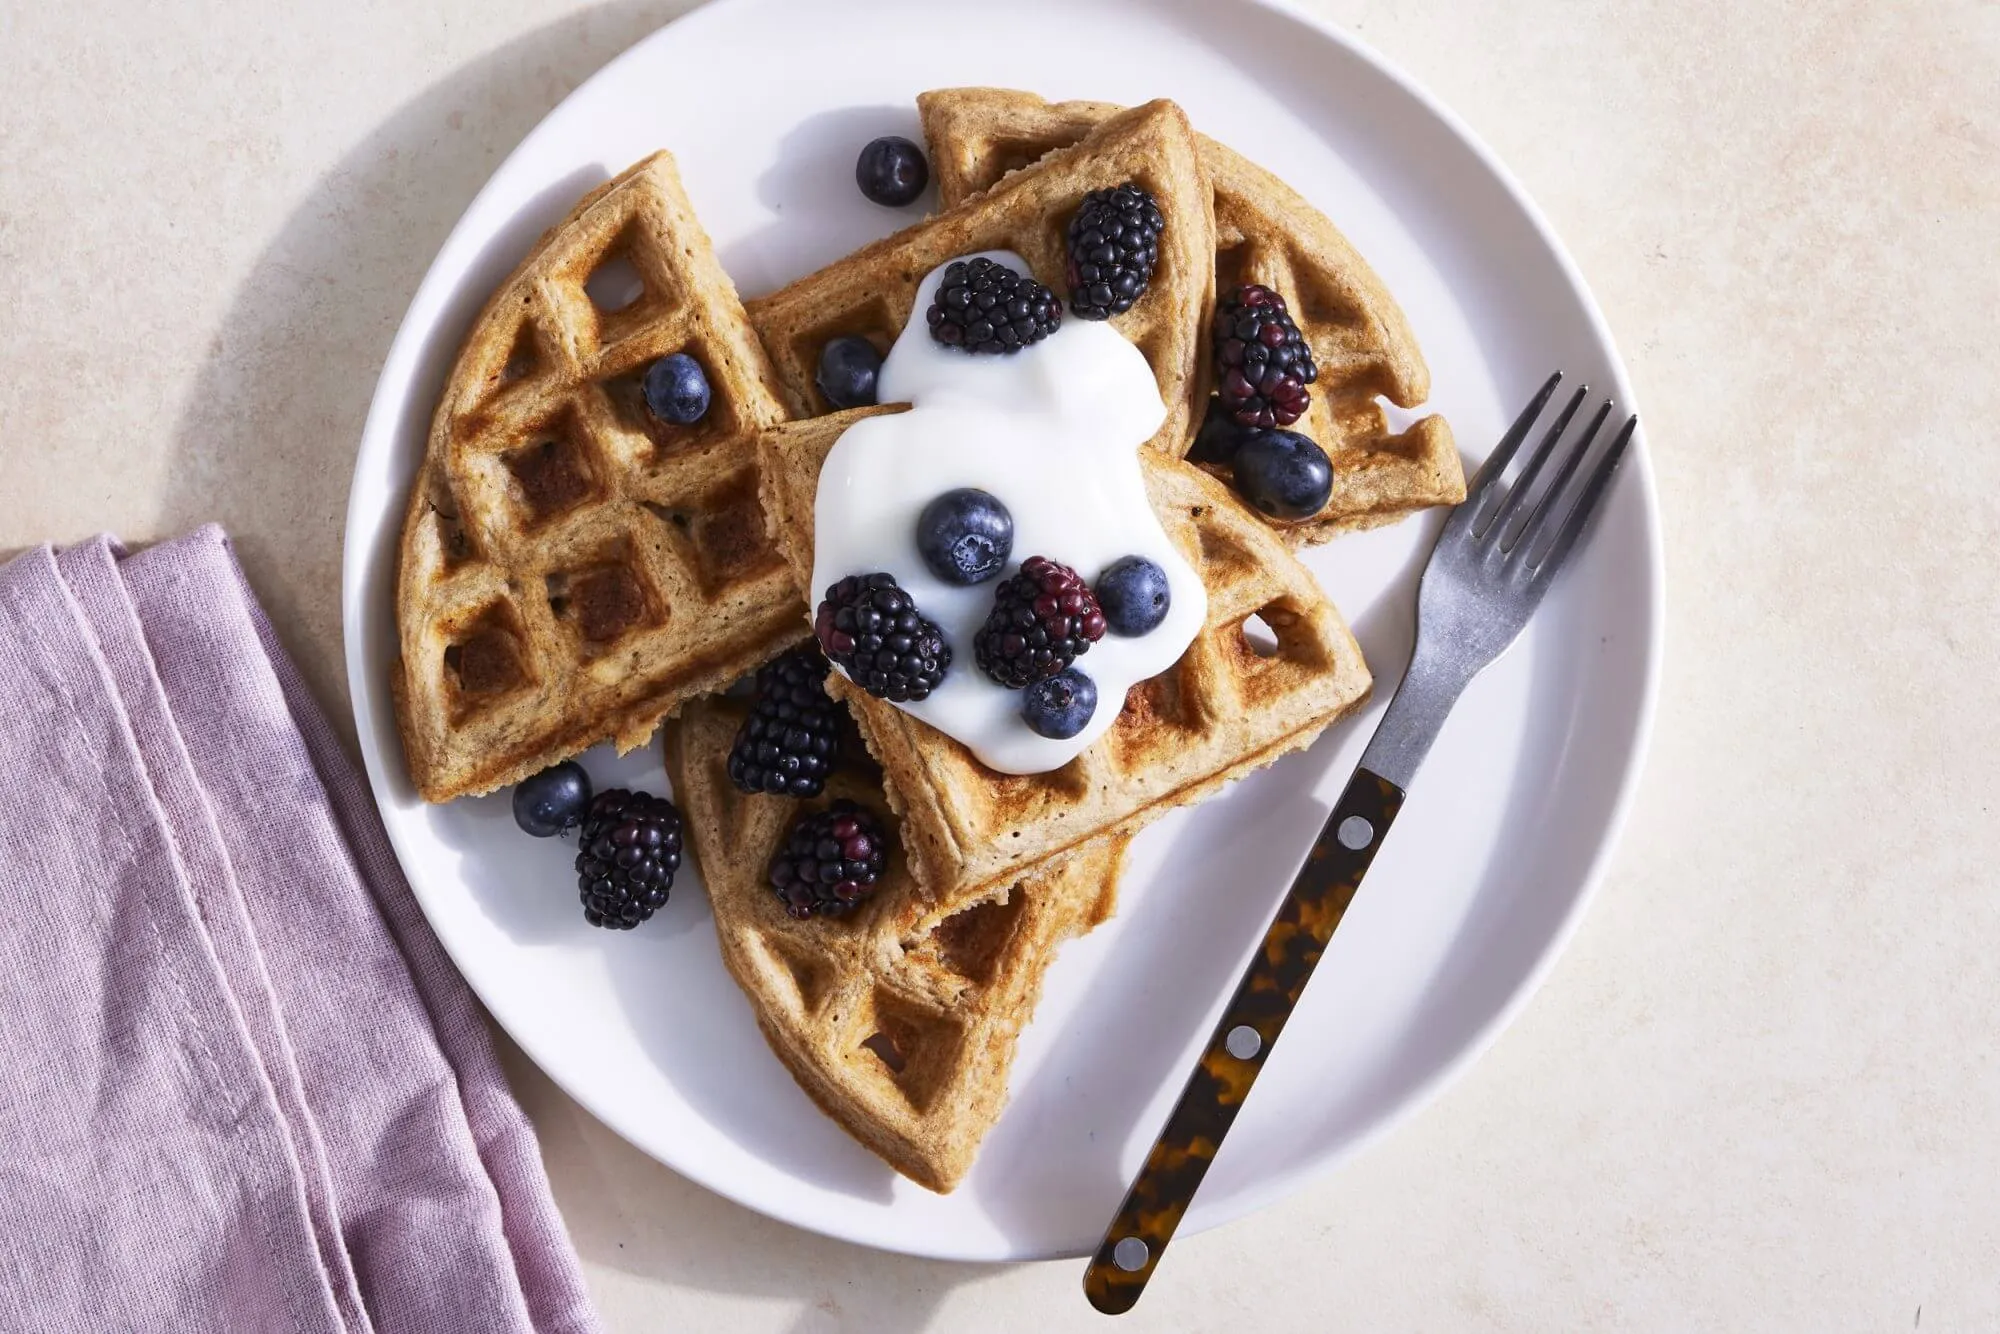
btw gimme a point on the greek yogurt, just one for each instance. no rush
(1054, 432)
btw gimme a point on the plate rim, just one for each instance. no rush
(1252, 1196)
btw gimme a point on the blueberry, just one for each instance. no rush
(965, 536)
(1134, 595)
(553, 800)
(1058, 707)
(847, 369)
(892, 171)
(1283, 474)
(677, 390)
(1219, 436)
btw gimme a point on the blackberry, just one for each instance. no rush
(871, 627)
(630, 849)
(986, 307)
(790, 741)
(1262, 363)
(1042, 619)
(829, 861)
(1114, 242)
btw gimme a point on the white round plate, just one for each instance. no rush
(765, 104)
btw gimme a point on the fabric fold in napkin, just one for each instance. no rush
(241, 1086)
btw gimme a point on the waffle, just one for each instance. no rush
(1241, 696)
(572, 568)
(900, 1020)
(871, 292)
(1265, 233)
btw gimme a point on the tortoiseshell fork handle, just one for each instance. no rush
(1250, 1024)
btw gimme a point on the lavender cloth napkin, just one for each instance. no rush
(241, 1086)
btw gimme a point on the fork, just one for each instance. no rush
(1495, 558)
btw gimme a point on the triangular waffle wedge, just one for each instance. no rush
(1265, 233)
(872, 290)
(573, 568)
(1272, 667)
(899, 1020)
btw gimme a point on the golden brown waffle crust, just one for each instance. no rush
(1223, 711)
(481, 563)
(1265, 232)
(871, 291)
(881, 967)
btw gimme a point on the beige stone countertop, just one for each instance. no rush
(1761, 1090)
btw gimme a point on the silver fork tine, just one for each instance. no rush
(1530, 527)
(1503, 453)
(1578, 519)
(1517, 494)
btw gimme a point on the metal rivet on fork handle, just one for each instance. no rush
(1355, 833)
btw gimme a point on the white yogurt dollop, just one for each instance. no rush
(1054, 432)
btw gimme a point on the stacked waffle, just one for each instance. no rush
(575, 571)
